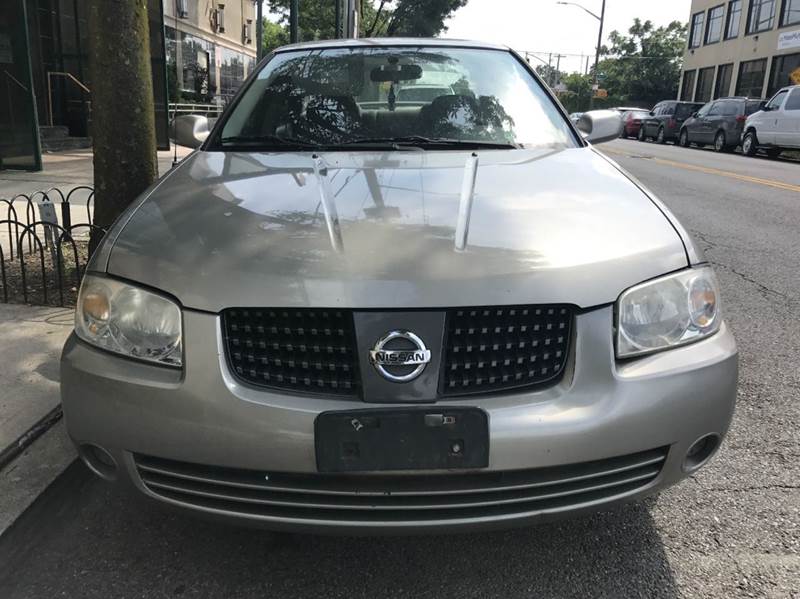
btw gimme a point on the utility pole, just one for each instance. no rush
(294, 29)
(597, 54)
(558, 67)
(352, 19)
(600, 18)
(259, 30)
(550, 69)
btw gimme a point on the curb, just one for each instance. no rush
(44, 424)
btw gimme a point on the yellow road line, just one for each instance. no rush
(711, 171)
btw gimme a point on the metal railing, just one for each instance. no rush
(43, 254)
(177, 109)
(69, 77)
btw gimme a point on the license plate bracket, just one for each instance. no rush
(402, 439)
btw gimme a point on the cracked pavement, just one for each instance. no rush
(732, 530)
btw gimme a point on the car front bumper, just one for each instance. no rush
(201, 427)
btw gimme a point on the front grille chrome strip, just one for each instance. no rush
(381, 497)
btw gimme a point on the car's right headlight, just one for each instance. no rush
(668, 312)
(129, 320)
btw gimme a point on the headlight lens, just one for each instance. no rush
(129, 320)
(666, 312)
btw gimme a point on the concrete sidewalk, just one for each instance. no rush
(31, 339)
(66, 170)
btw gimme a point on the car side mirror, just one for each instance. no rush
(600, 126)
(190, 130)
(767, 108)
(695, 115)
(652, 113)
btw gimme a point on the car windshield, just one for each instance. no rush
(392, 96)
(640, 114)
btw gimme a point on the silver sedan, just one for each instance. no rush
(358, 310)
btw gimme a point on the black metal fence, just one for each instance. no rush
(44, 245)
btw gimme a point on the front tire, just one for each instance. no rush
(750, 144)
(683, 140)
(661, 137)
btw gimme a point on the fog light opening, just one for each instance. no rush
(99, 461)
(700, 452)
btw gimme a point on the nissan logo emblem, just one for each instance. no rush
(399, 364)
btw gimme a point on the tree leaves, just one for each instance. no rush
(644, 66)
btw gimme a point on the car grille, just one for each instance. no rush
(305, 350)
(487, 349)
(401, 498)
(501, 348)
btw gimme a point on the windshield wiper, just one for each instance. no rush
(421, 140)
(266, 140)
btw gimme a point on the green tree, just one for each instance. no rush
(579, 92)
(379, 18)
(123, 118)
(274, 36)
(644, 66)
(419, 18)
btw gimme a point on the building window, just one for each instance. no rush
(687, 89)
(785, 71)
(762, 16)
(182, 8)
(734, 19)
(218, 18)
(705, 85)
(696, 35)
(247, 32)
(791, 12)
(714, 26)
(751, 78)
(723, 86)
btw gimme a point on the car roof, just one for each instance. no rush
(371, 42)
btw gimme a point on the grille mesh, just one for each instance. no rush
(306, 350)
(500, 348)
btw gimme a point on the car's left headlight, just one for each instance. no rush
(129, 320)
(667, 312)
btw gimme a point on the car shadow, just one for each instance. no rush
(91, 539)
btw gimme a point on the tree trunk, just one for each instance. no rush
(123, 118)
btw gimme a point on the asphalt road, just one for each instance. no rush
(733, 530)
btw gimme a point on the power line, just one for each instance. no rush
(566, 54)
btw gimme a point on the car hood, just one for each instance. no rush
(250, 229)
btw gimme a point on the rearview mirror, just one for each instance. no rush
(395, 73)
(599, 126)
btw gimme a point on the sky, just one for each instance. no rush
(544, 26)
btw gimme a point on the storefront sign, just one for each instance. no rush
(789, 39)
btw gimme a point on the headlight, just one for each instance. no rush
(129, 320)
(667, 312)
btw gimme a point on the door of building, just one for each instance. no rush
(19, 132)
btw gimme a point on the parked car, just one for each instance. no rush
(720, 122)
(666, 119)
(776, 127)
(336, 316)
(632, 122)
(623, 109)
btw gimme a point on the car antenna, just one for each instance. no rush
(328, 204)
(465, 204)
